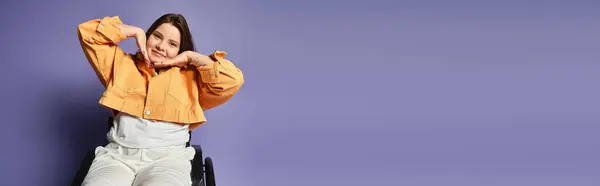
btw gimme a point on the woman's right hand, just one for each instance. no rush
(140, 37)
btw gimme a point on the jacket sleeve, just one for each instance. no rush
(218, 82)
(99, 39)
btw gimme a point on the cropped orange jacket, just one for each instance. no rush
(179, 95)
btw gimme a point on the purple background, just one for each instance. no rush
(420, 93)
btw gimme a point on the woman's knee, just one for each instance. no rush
(164, 181)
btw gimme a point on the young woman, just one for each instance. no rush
(157, 95)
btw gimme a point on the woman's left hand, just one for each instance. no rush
(185, 58)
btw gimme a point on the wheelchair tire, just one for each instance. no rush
(209, 171)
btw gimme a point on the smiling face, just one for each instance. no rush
(163, 43)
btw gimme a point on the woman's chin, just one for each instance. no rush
(155, 58)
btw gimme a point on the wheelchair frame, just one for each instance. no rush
(202, 169)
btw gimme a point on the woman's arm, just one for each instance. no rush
(99, 39)
(219, 79)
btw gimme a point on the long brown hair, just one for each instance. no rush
(177, 20)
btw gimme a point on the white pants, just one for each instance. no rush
(116, 165)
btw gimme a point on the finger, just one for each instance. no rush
(158, 62)
(162, 64)
(148, 64)
(142, 46)
(178, 59)
(145, 54)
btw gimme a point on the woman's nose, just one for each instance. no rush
(159, 47)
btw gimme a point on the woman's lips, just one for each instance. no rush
(158, 54)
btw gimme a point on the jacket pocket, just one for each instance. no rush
(127, 77)
(178, 88)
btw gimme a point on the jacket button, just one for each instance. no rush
(147, 112)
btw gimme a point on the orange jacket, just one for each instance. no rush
(179, 95)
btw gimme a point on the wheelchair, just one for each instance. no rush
(202, 169)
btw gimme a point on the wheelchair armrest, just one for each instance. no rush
(197, 167)
(84, 167)
(198, 151)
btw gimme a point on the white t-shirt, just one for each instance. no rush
(133, 132)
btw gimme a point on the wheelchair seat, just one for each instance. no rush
(202, 169)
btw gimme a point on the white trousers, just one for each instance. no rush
(117, 165)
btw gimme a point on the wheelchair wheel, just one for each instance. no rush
(210, 172)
